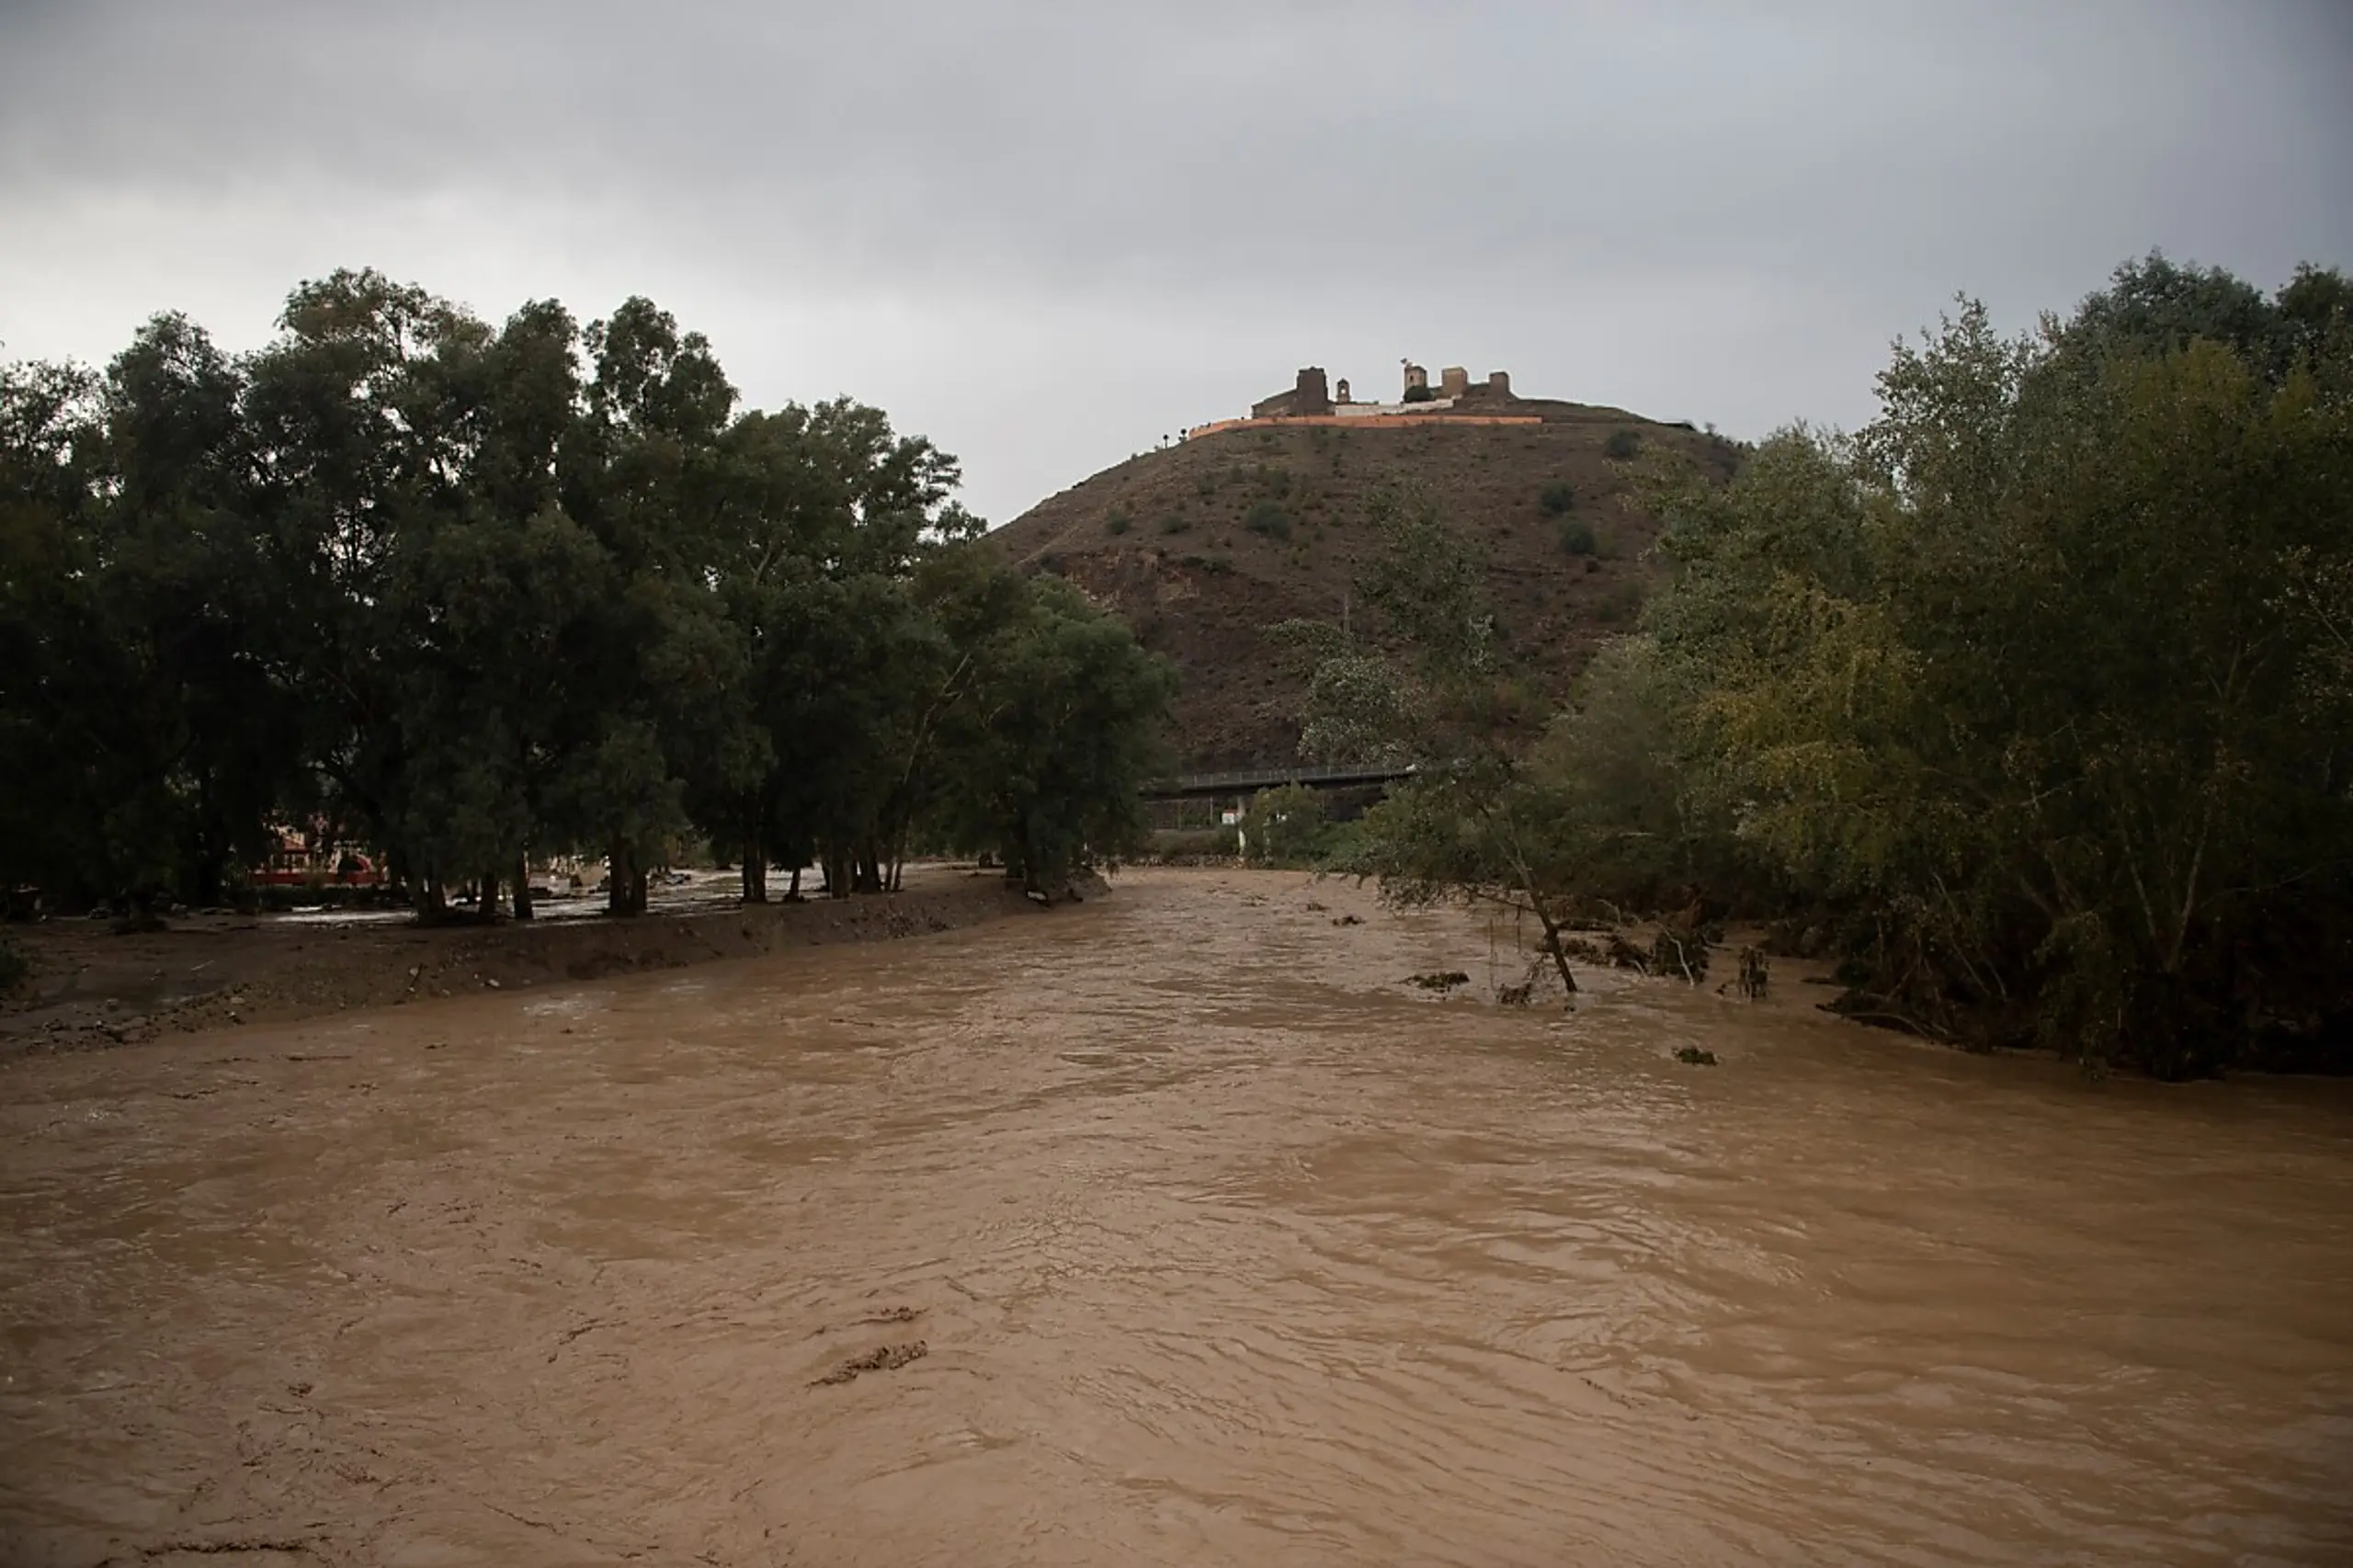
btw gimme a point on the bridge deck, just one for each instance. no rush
(1250, 781)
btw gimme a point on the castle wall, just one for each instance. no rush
(1408, 417)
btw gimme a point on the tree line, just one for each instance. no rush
(477, 595)
(2029, 703)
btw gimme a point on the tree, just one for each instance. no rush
(1045, 759)
(2036, 675)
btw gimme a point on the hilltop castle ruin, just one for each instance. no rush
(1311, 397)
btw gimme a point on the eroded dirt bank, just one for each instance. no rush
(1170, 1228)
(92, 988)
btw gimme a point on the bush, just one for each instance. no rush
(1269, 519)
(1274, 479)
(1181, 846)
(1622, 444)
(1622, 605)
(1578, 539)
(1285, 826)
(1117, 522)
(1557, 498)
(1420, 394)
(1172, 524)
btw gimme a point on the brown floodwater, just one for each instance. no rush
(1173, 1229)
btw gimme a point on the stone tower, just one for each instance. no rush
(1453, 381)
(1416, 378)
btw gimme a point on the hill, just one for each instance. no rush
(1204, 544)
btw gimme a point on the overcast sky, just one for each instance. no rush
(1045, 235)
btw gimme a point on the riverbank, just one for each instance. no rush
(90, 989)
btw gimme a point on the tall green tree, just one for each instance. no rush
(2036, 674)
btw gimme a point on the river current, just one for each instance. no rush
(1172, 1229)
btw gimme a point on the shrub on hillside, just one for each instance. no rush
(1622, 444)
(1269, 519)
(1578, 539)
(1622, 605)
(1117, 522)
(1557, 498)
(1172, 524)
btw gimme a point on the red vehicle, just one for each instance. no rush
(311, 859)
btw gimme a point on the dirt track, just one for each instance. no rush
(91, 988)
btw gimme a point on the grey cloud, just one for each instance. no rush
(1712, 209)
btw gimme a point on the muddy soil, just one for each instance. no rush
(1175, 1228)
(90, 988)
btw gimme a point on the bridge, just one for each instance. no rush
(1247, 781)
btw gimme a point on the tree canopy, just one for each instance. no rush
(475, 595)
(2037, 691)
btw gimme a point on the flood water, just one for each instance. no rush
(1219, 1244)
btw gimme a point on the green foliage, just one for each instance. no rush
(1420, 394)
(1118, 521)
(2036, 691)
(2041, 676)
(469, 595)
(1557, 499)
(1623, 445)
(1619, 606)
(1286, 826)
(1174, 524)
(1180, 845)
(1046, 762)
(1268, 519)
(1578, 538)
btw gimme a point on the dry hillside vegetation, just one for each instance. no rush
(1202, 546)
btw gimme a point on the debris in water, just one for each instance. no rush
(1440, 980)
(1696, 1057)
(883, 1359)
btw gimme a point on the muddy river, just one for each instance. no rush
(1173, 1229)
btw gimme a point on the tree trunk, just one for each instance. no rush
(620, 876)
(522, 887)
(639, 878)
(756, 866)
(486, 907)
(792, 894)
(1552, 944)
(425, 897)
